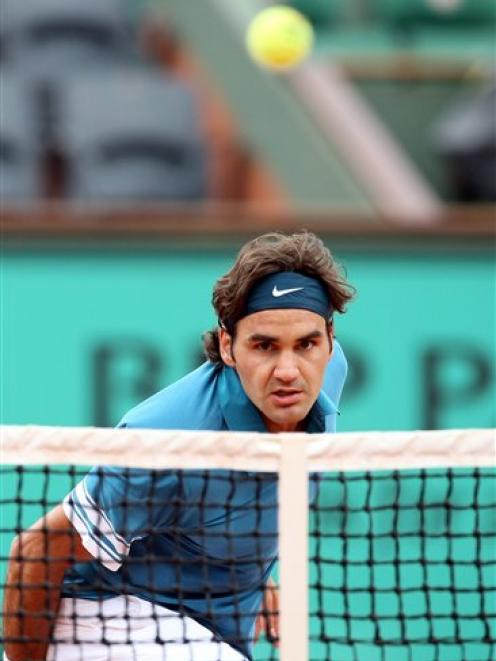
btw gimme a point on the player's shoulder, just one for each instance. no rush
(338, 361)
(335, 374)
(189, 403)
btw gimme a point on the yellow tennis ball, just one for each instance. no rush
(279, 37)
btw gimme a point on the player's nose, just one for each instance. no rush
(286, 368)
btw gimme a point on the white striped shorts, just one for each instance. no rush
(132, 628)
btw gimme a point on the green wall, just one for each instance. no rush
(420, 335)
(87, 332)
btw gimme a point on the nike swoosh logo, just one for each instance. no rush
(276, 293)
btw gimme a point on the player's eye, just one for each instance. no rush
(263, 346)
(306, 345)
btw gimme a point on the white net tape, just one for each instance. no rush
(293, 456)
(143, 448)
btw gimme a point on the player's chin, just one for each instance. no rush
(291, 414)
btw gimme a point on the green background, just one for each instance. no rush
(60, 305)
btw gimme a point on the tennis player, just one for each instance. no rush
(171, 565)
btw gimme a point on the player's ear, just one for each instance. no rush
(225, 347)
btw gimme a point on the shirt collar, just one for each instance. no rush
(322, 415)
(241, 414)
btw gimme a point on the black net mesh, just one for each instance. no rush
(402, 564)
(182, 558)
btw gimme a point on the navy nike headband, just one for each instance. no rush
(288, 289)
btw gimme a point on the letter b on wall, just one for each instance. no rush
(125, 372)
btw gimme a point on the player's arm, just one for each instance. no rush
(268, 618)
(38, 560)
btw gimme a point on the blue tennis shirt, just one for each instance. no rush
(200, 543)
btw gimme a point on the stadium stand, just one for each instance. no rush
(435, 11)
(466, 137)
(21, 173)
(322, 13)
(434, 28)
(410, 60)
(153, 150)
(407, 59)
(52, 37)
(69, 53)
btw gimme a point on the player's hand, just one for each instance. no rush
(268, 618)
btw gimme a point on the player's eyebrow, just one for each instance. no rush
(260, 337)
(311, 336)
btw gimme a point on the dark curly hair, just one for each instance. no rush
(302, 252)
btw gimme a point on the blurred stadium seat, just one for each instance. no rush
(48, 37)
(466, 137)
(446, 28)
(435, 11)
(441, 27)
(408, 59)
(130, 134)
(20, 150)
(320, 12)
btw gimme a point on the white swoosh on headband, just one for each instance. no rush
(282, 292)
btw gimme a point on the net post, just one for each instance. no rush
(293, 549)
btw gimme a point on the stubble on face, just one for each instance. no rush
(281, 357)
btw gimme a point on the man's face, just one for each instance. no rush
(280, 357)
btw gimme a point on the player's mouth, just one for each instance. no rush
(286, 396)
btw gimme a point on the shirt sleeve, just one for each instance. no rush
(112, 507)
(335, 374)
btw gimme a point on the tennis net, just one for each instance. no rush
(386, 543)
